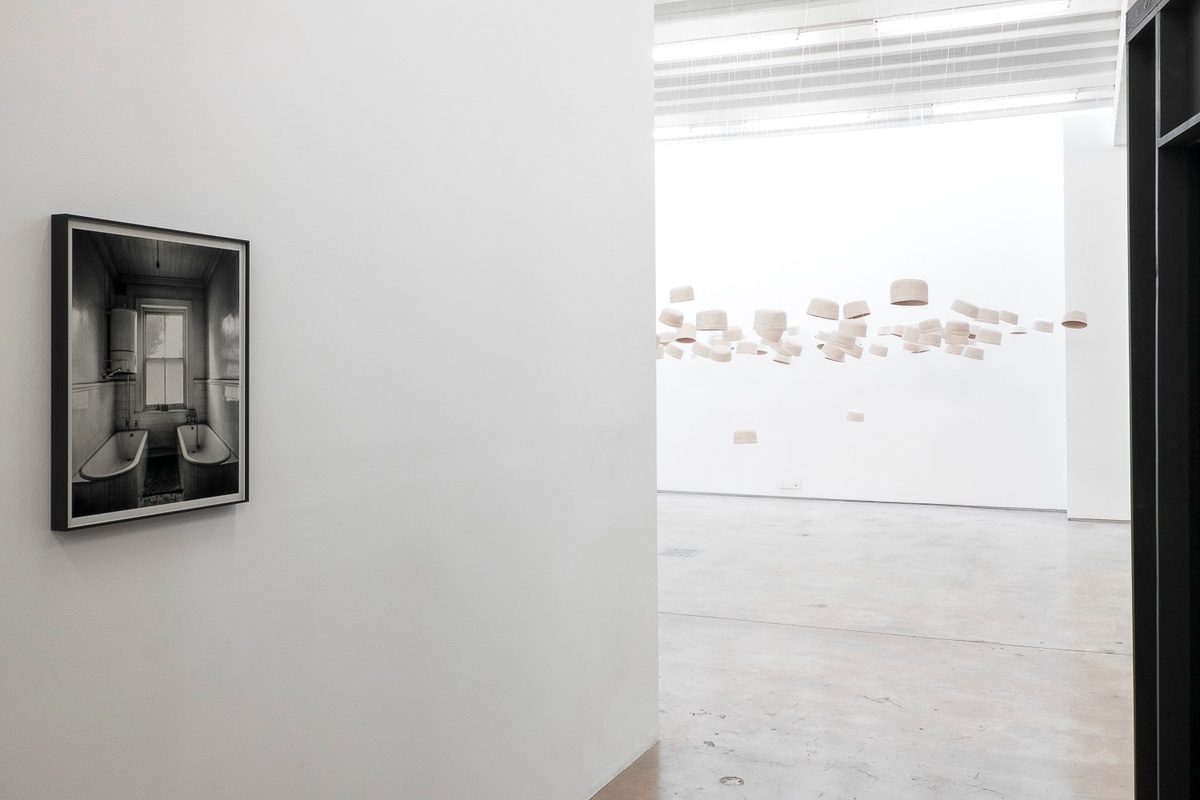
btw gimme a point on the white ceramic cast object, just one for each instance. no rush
(1074, 319)
(853, 327)
(769, 320)
(745, 437)
(988, 336)
(713, 320)
(930, 339)
(910, 292)
(822, 308)
(854, 415)
(682, 294)
(671, 317)
(789, 347)
(855, 309)
(965, 308)
(842, 340)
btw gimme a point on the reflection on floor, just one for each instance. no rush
(162, 482)
(849, 650)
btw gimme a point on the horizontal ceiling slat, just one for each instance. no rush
(929, 79)
(857, 70)
(988, 55)
(835, 55)
(903, 94)
(726, 18)
(863, 38)
(889, 112)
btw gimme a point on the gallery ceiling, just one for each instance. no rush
(732, 69)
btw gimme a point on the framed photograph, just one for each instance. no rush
(150, 345)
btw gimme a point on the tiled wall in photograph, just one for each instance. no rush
(198, 399)
(93, 419)
(224, 403)
(160, 424)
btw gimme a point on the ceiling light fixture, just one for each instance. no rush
(977, 17)
(796, 122)
(671, 132)
(1004, 103)
(744, 43)
(804, 121)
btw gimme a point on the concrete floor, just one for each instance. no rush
(821, 649)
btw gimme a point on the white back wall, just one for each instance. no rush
(975, 209)
(1097, 281)
(443, 585)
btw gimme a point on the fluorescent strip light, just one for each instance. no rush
(717, 128)
(672, 132)
(743, 43)
(900, 112)
(803, 121)
(1004, 103)
(766, 125)
(969, 17)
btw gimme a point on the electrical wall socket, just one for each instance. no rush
(789, 484)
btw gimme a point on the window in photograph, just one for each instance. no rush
(164, 345)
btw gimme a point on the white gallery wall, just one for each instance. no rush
(1097, 280)
(975, 209)
(443, 585)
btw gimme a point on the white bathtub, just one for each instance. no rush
(207, 467)
(112, 479)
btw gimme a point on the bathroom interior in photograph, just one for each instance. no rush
(149, 386)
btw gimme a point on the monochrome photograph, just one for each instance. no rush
(150, 371)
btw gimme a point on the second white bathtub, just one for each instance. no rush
(207, 467)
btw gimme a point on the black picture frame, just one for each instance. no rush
(150, 363)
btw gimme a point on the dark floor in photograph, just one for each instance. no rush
(816, 648)
(162, 482)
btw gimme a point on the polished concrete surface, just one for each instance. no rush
(821, 649)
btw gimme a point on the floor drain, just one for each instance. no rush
(675, 551)
(732, 780)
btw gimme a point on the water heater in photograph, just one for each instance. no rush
(122, 339)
